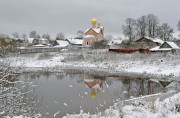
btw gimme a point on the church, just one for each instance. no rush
(93, 34)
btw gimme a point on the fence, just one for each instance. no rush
(129, 50)
(38, 50)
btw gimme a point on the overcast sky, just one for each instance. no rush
(69, 16)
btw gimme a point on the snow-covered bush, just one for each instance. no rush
(16, 97)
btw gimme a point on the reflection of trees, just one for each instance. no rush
(60, 76)
(30, 75)
(46, 74)
(137, 87)
(153, 87)
(141, 87)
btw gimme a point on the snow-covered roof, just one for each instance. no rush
(76, 41)
(62, 43)
(39, 45)
(30, 40)
(156, 40)
(155, 48)
(172, 44)
(159, 48)
(97, 30)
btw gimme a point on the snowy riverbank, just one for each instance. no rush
(165, 66)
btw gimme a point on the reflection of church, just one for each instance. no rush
(95, 85)
(93, 34)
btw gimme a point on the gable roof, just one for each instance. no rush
(30, 40)
(60, 43)
(76, 41)
(97, 30)
(155, 40)
(171, 44)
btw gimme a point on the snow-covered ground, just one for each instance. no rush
(165, 66)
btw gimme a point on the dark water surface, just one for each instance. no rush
(68, 92)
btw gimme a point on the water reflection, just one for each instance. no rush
(68, 92)
(95, 85)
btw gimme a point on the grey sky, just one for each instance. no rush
(68, 16)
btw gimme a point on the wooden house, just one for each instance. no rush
(148, 42)
(61, 43)
(43, 41)
(33, 41)
(166, 46)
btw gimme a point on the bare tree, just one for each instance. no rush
(152, 24)
(79, 34)
(178, 25)
(33, 34)
(38, 36)
(15, 35)
(141, 24)
(46, 36)
(16, 97)
(24, 36)
(165, 31)
(129, 29)
(60, 36)
(108, 37)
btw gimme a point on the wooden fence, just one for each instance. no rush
(129, 50)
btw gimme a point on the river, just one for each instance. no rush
(70, 91)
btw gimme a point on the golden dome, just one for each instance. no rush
(93, 95)
(94, 21)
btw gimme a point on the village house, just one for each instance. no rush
(77, 42)
(148, 42)
(165, 47)
(43, 41)
(61, 43)
(93, 34)
(38, 42)
(33, 41)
